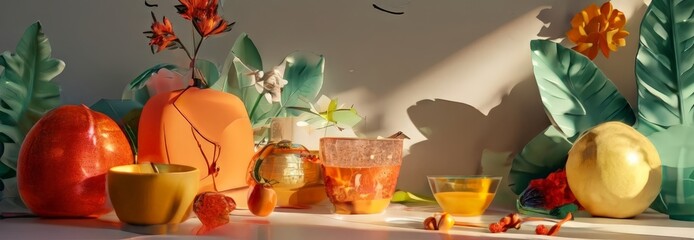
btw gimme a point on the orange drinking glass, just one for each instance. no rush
(360, 174)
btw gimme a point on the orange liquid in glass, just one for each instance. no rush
(360, 190)
(464, 203)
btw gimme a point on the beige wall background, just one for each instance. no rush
(454, 75)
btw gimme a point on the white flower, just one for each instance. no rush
(271, 83)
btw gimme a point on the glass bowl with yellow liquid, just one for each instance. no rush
(464, 195)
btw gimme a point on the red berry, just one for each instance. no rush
(213, 209)
(541, 230)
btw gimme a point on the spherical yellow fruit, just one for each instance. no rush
(614, 171)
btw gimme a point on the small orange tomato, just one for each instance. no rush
(262, 199)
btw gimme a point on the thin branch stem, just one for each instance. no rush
(184, 48)
(255, 105)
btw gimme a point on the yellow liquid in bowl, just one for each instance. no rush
(464, 203)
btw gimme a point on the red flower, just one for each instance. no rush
(555, 190)
(203, 14)
(163, 35)
(191, 8)
(211, 25)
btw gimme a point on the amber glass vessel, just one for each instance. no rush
(360, 174)
(293, 171)
(202, 128)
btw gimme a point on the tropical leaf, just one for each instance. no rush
(137, 89)
(208, 70)
(27, 91)
(121, 111)
(674, 147)
(115, 109)
(575, 93)
(304, 73)
(245, 49)
(544, 154)
(665, 66)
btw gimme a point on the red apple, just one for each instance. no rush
(64, 159)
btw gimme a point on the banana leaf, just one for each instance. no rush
(27, 92)
(575, 93)
(544, 154)
(665, 66)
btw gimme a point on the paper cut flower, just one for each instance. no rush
(270, 83)
(162, 35)
(203, 14)
(596, 30)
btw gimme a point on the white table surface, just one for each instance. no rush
(398, 222)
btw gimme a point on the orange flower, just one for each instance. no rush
(210, 24)
(203, 14)
(162, 35)
(191, 8)
(596, 30)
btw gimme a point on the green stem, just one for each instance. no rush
(255, 105)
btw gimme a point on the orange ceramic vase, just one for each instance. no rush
(64, 159)
(203, 128)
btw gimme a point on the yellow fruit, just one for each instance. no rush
(614, 171)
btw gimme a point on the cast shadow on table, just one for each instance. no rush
(457, 135)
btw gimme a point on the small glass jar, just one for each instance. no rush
(293, 171)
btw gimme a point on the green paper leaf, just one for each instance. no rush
(346, 118)
(27, 91)
(675, 146)
(137, 88)
(401, 196)
(544, 154)
(575, 93)
(245, 49)
(665, 66)
(118, 110)
(304, 73)
(557, 213)
(208, 70)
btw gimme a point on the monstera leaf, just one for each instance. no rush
(665, 66)
(543, 155)
(27, 91)
(575, 93)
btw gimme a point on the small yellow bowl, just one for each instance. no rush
(464, 195)
(142, 197)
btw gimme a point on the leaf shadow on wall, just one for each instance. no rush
(457, 134)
